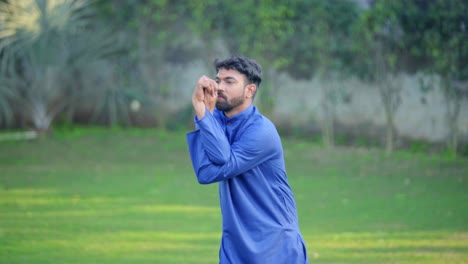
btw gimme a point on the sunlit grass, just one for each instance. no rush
(398, 247)
(131, 197)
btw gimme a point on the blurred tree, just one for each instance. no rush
(8, 96)
(206, 21)
(438, 30)
(332, 40)
(321, 41)
(39, 43)
(432, 33)
(379, 40)
(159, 38)
(257, 29)
(321, 46)
(163, 40)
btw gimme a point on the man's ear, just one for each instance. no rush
(251, 88)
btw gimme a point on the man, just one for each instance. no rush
(235, 145)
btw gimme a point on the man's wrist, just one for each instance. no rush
(200, 110)
(211, 110)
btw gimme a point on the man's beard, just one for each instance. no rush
(228, 105)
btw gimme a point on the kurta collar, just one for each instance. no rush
(241, 116)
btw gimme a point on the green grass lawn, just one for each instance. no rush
(130, 196)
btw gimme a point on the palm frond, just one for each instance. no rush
(42, 42)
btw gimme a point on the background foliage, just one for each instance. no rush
(84, 61)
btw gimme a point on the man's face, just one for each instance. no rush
(231, 90)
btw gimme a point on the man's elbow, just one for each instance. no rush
(221, 159)
(209, 174)
(203, 179)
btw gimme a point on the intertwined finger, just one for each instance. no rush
(210, 85)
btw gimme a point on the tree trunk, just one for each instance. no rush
(40, 117)
(453, 113)
(328, 106)
(453, 110)
(268, 91)
(390, 134)
(389, 92)
(329, 135)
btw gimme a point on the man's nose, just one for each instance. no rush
(220, 87)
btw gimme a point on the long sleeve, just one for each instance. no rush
(257, 145)
(213, 139)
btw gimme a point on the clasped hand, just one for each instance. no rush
(204, 96)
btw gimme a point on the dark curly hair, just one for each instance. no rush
(248, 67)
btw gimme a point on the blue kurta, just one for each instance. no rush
(244, 154)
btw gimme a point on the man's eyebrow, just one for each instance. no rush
(226, 78)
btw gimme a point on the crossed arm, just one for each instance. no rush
(215, 159)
